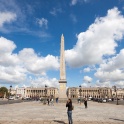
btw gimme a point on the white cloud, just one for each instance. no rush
(10, 68)
(11, 7)
(103, 84)
(87, 79)
(73, 18)
(6, 56)
(42, 81)
(37, 64)
(55, 11)
(84, 85)
(12, 74)
(6, 46)
(119, 84)
(74, 2)
(12, 12)
(114, 76)
(112, 69)
(42, 22)
(116, 62)
(6, 17)
(25, 85)
(16, 68)
(87, 69)
(98, 41)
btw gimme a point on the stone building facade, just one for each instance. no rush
(41, 92)
(120, 93)
(95, 92)
(20, 92)
(72, 92)
(13, 91)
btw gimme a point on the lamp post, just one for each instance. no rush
(100, 97)
(24, 95)
(115, 90)
(9, 92)
(80, 93)
(107, 97)
(45, 93)
(10, 88)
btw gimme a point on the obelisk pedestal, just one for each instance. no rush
(62, 89)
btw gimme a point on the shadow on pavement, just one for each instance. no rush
(61, 122)
(116, 119)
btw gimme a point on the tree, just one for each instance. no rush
(3, 90)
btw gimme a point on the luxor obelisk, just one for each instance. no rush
(62, 81)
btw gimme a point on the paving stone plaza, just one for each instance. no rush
(36, 113)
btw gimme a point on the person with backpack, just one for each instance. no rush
(69, 110)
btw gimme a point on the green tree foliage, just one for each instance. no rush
(3, 90)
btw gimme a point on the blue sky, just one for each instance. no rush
(30, 33)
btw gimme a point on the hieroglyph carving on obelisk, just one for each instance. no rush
(62, 60)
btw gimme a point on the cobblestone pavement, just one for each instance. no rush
(120, 102)
(37, 113)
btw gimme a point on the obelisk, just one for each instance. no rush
(62, 81)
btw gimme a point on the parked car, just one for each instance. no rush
(26, 98)
(11, 98)
(41, 99)
(95, 99)
(100, 100)
(109, 100)
(89, 98)
(104, 100)
(92, 98)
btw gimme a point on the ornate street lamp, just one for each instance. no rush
(115, 90)
(45, 93)
(80, 93)
(9, 92)
(10, 88)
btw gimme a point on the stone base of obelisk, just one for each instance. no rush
(62, 90)
(60, 100)
(74, 100)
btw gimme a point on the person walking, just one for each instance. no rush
(48, 100)
(69, 111)
(85, 102)
(57, 100)
(51, 101)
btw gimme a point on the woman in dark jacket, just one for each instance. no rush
(69, 111)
